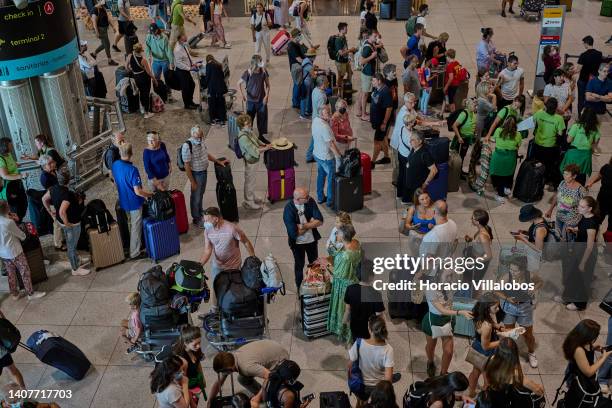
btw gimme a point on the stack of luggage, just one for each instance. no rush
(226, 192)
(105, 239)
(353, 180)
(280, 163)
(161, 234)
(315, 298)
(34, 254)
(129, 103)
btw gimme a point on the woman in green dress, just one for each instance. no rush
(346, 264)
(583, 137)
(503, 161)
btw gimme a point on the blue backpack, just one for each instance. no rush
(355, 377)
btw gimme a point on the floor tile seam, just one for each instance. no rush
(93, 398)
(77, 309)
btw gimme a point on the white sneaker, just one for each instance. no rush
(148, 115)
(572, 307)
(36, 295)
(533, 360)
(251, 205)
(500, 199)
(228, 45)
(507, 191)
(81, 272)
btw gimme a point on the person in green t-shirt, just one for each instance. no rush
(465, 128)
(8, 169)
(583, 137)
(516, 109)
(177, 19)
(549, 124)
(503, 161)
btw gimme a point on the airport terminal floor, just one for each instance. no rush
(88, 310)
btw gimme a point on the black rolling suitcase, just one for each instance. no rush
(403, 9)
(33, 252)
(195, 40)
(439, 149)
(221, 401)
(348, 193)
(226, 193)
(58, 353)
(347, 91)
(529, 185)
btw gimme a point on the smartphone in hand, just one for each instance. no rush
(308, 398)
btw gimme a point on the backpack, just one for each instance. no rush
(297, 74)
(490, 119)
(461, 74)
(187, 276)
(236, 148)
(271, 274)
(331, 47)
(179, 155)
(350, 163)
(9, 336)
(552, 243)
(161, 206)
(416, 395)
(410, 24)
(111, 155)
(357, 58)
(452, 118)
(581, 392)
(251, 273)
(97, 216)
(153, 288)
(522, 397)
(355, 377)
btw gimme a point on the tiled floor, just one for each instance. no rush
(87, 310)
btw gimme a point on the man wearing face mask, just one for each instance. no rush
(184, 64)
(511, 82)
(381, 110)
(196, 157)
(222, 243)
(255, 82)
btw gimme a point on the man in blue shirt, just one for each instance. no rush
(413, 42)
(131, 195)
(599, 90)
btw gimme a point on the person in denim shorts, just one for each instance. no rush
(520, 304)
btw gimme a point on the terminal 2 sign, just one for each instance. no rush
(38, 38)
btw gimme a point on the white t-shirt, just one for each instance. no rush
(263, 19)
(307, 237)
(510, 86)
(372, 360)
(362, 15)
(560, 93)
(440, 240)
(322, 136)
(399, 122)
(168, 397)
(422, 20)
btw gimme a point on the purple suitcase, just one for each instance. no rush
(281, 184)
(161, 238)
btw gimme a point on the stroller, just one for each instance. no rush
(532, 9)
(241, 314)
(230, 96)
(166, 302)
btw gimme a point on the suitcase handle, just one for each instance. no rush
(24, 346)
(231, 376)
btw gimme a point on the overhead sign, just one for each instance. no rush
(551, 33)
(39, 38)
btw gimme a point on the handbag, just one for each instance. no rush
(440, 331)
(478, 360)
(355, 377)
(382, 55)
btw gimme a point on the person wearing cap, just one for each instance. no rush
(256, 82)
(222, 244)
(308, 83)
(251, 148)
(138, 65)
(260, 31)
(196, 157)
(158, 51)
(177, 19)
(101, 22)
(131, 195)
(253, 360)
(183, 65)
(295, 52)
(156, 163)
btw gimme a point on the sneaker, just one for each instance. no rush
(533, 360)
(141, 255)
(500, 199)
(81, 272)
(304, 117)
(148, 115)
(572, 307)
(431, 369)
(396, 377)
(384, 160)
(113, 62)
(507, 191)
(115, 48)
(323, 201)
(264, 139)
(36, 295)
(227, 45)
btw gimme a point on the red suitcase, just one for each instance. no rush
(281, 184)
(366, 166)
(180, 210)
(280, 42)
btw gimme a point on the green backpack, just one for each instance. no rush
(410, 24)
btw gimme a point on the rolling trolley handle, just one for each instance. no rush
(231, 375)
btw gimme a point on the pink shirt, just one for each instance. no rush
(341, 126)
(225, 241)
(134, 323)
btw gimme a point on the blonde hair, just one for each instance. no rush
(242, 120)
(482, 89)
(469, 104)
(138, 48)
(133, 299)
(125, 150)
(344, 218)
(410, 118)
(152, 136)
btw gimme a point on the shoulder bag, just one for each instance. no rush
(355, 377)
